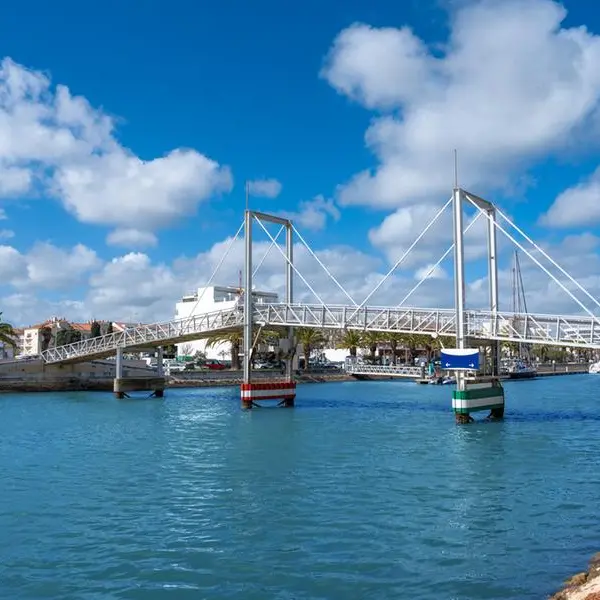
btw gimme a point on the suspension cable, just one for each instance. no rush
(262, 260)
(437, 264)
(288, 261)
(535, 260)
(545, 255)
(227, 251)
(401, 259)
(340, 286)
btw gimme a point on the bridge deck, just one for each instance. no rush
(558, 330)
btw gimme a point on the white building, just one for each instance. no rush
(211, 299)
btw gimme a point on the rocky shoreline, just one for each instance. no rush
(584, 585)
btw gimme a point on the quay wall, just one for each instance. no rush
(35, 376)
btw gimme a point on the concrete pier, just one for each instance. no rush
(124, 385)
(477, 394)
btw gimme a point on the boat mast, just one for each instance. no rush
(518, 290)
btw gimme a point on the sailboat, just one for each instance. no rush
(520, 367)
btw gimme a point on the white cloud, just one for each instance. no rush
(6, 234)
(401, 228)
(132, 284)
(3, 214)
(12, 264)
(510, 86)
(313, 214)
(576, 206)
(47, 267)
(57, 143)
(133, 287)
(131, 238)
(265, 188)
(123, 190)
(436, 272)
(50, 267)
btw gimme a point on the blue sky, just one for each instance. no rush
(301, 94)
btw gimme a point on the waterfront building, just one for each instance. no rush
(34, 339)
(211, 299)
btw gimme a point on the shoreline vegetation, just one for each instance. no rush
(584, 585)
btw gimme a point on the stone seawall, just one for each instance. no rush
(105, 384)
(71, 384)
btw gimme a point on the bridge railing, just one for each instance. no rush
(529, 328)
(355, 367)
(504, 326)
(146, 335)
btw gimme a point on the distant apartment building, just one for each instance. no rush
(210, 299)
(34, 339)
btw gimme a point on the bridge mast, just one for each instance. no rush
(476, 393)
(285, 391)
(247, 296)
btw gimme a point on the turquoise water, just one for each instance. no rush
(363, 491)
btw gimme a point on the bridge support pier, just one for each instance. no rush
(483, 393)
(160, 372)
(123, 385)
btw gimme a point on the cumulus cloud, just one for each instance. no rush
(400, 229)
(264, 188)
(131, 238)
(512, 84)
(431, 271)
(313, 214)
(6, 234)
(132, 286)
(48, 267)
(57, 143)
(576, 206)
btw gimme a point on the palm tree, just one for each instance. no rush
(310, 339)
(411, 342)
(394, 340)
(371, 339)
(233, 338)
(351, 340)
(7, 333)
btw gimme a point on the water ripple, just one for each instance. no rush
(364, 490)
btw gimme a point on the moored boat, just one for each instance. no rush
(521, 370)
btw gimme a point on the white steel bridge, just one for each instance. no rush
(581, 331)
(558, 330)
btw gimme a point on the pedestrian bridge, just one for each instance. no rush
(557, 330)
(518, 326)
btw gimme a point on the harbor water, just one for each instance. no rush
(365, 490)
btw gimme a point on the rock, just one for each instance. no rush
(578, 579)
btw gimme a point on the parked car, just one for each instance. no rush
(213, 365)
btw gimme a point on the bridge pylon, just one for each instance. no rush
(283, 388)
(475, 393)
(123, 385)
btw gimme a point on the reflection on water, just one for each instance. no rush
(364, 490)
